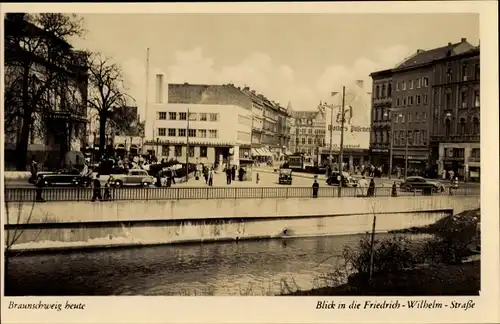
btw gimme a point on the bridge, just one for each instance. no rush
(151, 216)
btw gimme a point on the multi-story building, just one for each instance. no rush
(380, 136)
(308, 133)
(209, 124)
(456, 131)
(57, 124)
(411, 114)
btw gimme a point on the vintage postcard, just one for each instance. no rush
(299, 163)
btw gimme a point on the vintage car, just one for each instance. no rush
(347, 180)
(71, 178)
(420, 183)
(134, 177)
(285, 176)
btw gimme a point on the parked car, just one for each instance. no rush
(71, 178)
(134, 177)
(421, 183)
(348, 181)
(285, 176)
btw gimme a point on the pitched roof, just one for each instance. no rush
(427, 56)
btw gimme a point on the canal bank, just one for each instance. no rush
(77, 225)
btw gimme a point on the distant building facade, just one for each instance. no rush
(409, 121)
(455, 137)
(308, 132)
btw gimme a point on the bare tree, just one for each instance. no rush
(37, 57)
(107, 92)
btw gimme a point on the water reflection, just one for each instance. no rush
(247, 267)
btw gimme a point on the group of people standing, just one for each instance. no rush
(367, 188)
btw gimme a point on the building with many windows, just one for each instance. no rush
(456, 130)
(209, 124)
(308, 132)
(409, 121)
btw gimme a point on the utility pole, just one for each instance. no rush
(187, 146)
(406, 147)
(341, 162)
(331, 135)
(147, 96)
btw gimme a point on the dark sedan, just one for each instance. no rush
(420, 183)
(63, 178)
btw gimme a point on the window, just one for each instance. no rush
(425, 99)
(203, 151)
(178, 150)
(461, 127)
(164, 150)
(417, 117)
(419, 83)
(202, 133)
(463, 99)
(190, 151)
(310, 131)
(181, 132)
(418, 99)
(424, 117)
(398, 102)
(171, 132)
(464, 72)
(395, 138)
(377, 137)
(475, 126)
(377, 91)
(192, 116)
(383, 91)
(476, 98)
(410, 100)
(159, 88)
(203, 117)
(447, 103)
(396, 118)
(423, 137)
(384, 136)
(192, 132)
(449, 75)
(389, 90)
(409, 117)
(403, 85)
(410, 84)
(309, 141)
(182, 116)
(212, 133)
(379, 114)
(162, 131)
(404, 101)
(162, 115)
(214, 117)
(426, 81)
(172, 116)
(477, 72)
(402, 116)
(447, 127)
(303, 140)
(410, 137)
(402, 137)
(397, 86)
(416, 136)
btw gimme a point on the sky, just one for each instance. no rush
(296, 58)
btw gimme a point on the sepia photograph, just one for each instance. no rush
(243, 154)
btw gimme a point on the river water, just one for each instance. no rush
(265, 267)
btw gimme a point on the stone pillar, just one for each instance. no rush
(440, 161)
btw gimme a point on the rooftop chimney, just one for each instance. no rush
(246, 88)
(463, 40)
(449, 44)
(420, 51)
(253, 91)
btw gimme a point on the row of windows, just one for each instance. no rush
(310, 141)
(419, 117)
(163, 115)
(464, 75)
(419, 83)
(165, 149)
(463, 103)
(383, 91)
(181, 132)
(411, 100)
(415, 137)
(463, 127)
(310, 131)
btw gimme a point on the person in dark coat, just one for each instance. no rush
(241, 172)
(107, 191)
(315, 188)
(228, 175)
(371, 188)
(394, 191)
(233, 173)
(97, 189)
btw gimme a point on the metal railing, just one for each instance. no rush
(122, 194)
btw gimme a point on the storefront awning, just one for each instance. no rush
(255, 152)
(266, 152)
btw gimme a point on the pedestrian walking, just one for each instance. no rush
(228, 175)
(205, 174)
(257, 178)
(371, 188)
(363, 184)
(394, 191)
(107, 190)
(315, 188)
(96, 189)
(211, 177)
(33, 169)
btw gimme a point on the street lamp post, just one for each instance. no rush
(391, 143)
(187, 145)
(341, 142)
